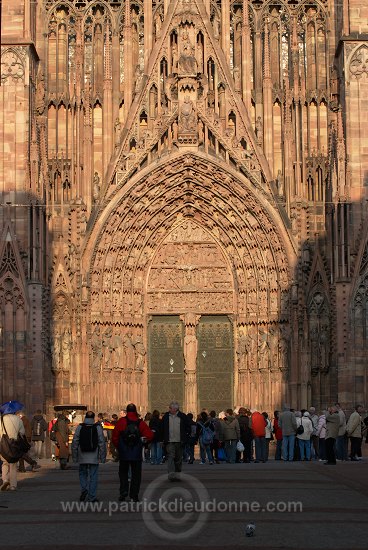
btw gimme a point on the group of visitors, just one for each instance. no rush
(237, 436)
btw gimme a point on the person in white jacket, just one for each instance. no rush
(304, 438)
(13, 426)
(354, 430)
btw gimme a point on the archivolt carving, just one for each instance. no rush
(189, 193)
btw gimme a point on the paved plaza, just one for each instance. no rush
(317, 507)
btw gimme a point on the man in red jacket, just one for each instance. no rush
(128, 436)
(258, 424)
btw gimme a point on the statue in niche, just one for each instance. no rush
(174, 57)
(117, 129)
(66, 348)
(280, 183)
(259, 128)
(140, 353)
(158, 25)
(216, 25)
(263, 350)
(187, 120)
(40, 94)
(138, 80)
(187, 60)
(324, 342)
(72, 251)
(236, 74)
(55, 352)
(96, 186)
(106, 337)
(244, 348)
(128, 351)
(284, 341)
(190, 350)
(96, 346)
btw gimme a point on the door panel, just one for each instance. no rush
(166, 361)
(215, 363)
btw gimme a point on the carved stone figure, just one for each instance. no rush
(40, 93)
(140, 353)
(55, 352)
(66, 349)
(96, 347)
(190, 350)
(187, 120)
(96, 186)
(129, 352)
(187, 60)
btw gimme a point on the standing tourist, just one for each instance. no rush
(39, 427)
(287, 423)
(354, 430)
(230, 434)
(332, 431)
(278, 435)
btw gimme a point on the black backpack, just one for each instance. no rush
(12, 449)
(88, 438)
(131, 435)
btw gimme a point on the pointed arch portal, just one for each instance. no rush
(189, 264)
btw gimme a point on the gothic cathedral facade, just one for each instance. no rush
(184, 205)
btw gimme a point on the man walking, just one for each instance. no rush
(127, 438)
(287, 423)
(175, 433)
(88, 449)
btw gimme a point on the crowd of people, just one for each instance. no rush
(233, 436)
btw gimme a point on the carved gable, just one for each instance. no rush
(188, 100)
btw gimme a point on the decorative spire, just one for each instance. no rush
(108, 71)
(128, 17)
(266, 61)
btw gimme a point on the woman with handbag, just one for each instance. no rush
(12, 426)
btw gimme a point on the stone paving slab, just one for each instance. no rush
(334, 502)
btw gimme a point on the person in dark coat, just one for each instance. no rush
(246, 435)
(156, 445)
(175, 433)
(62, 431)
(130, 456)
(39, 427)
